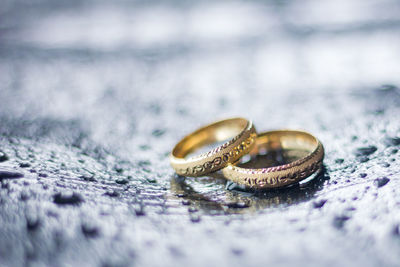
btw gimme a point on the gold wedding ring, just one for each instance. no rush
(243, 139)
(241, 133)
(281, 175)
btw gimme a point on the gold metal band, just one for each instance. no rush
(243, 136)
(281, 175)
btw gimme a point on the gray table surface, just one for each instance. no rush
(94, 95)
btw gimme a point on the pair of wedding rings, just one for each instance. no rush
(243, 139)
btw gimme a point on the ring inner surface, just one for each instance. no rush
(206, 138)
(279, 148)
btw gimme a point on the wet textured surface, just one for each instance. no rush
(93, 96)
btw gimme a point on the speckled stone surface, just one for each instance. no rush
(94, 95)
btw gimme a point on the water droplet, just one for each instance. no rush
(144, 147)
(139, 211)
(3, 156)
(32, 223)
(339, 161)
(237, 205)
(118, 169)
(24, 196)
(67, 198)
(89, 230)
(237, 251)
(146, 170)
(386, 88)
(186, 202)
(319, 204)
(155, 108)
(24, 165)
(392, 141)
(339, 221)
(88, 178)
(379, 182)
(112, 193)
(182, 111)
(122, 181)
(151, 180)
(363, 159)
(9, 174)
(385, 164)
(379, 111)
(365, 151)
(158, 132)
(192, 209)
(195, 218)
(144, 163)
(396, 230)
(234, 186)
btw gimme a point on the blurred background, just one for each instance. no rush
(152, 62)
(118, 83)
(202, 59)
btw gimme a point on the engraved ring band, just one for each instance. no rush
(281, 175)
(240, 133)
